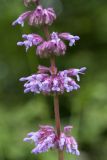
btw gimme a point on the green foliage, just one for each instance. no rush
(86, 109)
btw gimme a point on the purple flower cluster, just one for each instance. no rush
(46, 139)
(37, 17)
(54, 46)
(50, 84)
(30, 40)
(68, 142)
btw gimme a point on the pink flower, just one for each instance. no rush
(51, 47)
(30, 40)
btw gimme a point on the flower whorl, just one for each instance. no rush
(50, 84)
(51, 47)
(37, 17)
(46, 138)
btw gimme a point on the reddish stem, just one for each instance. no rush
(57, 115)
(56, 99)
(46, 31)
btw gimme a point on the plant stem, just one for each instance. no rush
(60, 155)
(46, 31)
(58, 124)
(56, 98)
(57, 115)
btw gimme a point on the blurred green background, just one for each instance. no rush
(85, 109)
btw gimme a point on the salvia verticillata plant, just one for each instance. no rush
(48, 80)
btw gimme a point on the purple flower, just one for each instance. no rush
(48, 16)
(69, 37)
(20, 20)
(49, 84)
(68, 142)
(37, 17)
(34, 83)
(44, 139)
(76, 72)
(30, 40)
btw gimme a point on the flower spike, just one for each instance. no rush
(48, 80)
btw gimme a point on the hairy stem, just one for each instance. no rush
(56, 98)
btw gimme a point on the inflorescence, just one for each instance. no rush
(48, 80)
